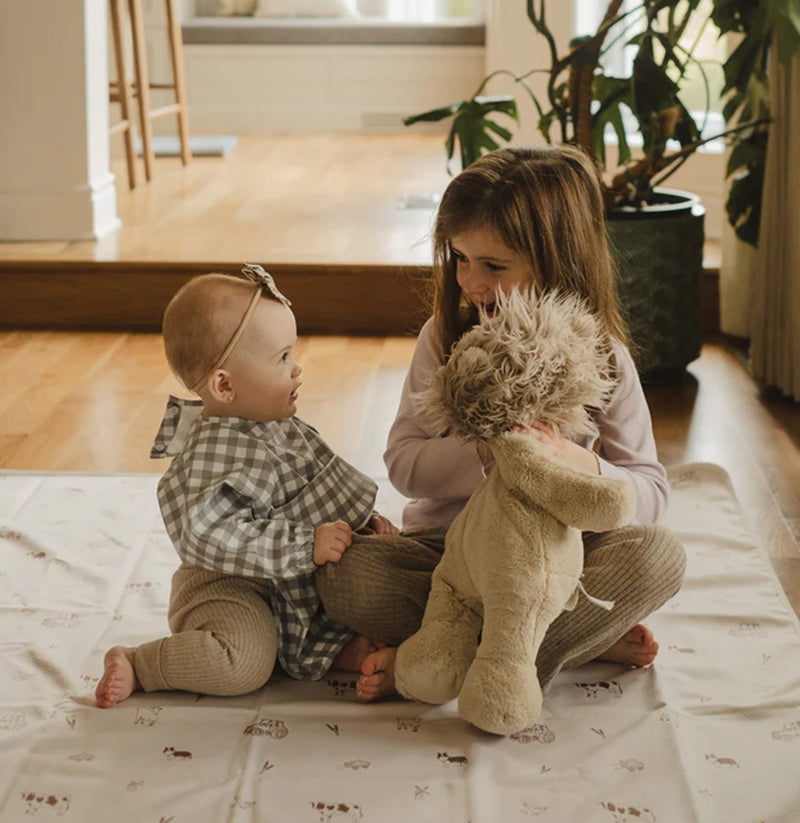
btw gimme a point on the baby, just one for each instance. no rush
(254, 502)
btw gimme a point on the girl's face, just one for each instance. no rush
(265, 375)
(484, 265)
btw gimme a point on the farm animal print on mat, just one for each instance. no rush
(710, 733)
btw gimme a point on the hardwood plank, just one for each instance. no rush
(335, 197)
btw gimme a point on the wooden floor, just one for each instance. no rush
(93, 401)
(329, 198)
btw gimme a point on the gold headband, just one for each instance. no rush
(264, 285)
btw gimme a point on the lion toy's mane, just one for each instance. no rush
(545, 360)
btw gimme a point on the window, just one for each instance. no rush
(421, 11)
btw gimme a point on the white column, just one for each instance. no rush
(55, 181)
(513, 43)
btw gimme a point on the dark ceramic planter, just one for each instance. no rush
(658, 252)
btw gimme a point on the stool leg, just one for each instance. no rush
(142, 85)
(176, 53)
(125, 100)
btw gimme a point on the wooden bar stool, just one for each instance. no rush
(120, 92)
(141, 86)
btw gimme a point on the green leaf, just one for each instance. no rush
(686, 130)
(747, 153)
(499, 103)
(744, 206)
(545, 122)
(740, 65)
(450, 144)
(653, 90)
(474, 128)
(731, 15)
(434, 115)
(612, 93)
(746, 164)
(730, 108)
(502, 132)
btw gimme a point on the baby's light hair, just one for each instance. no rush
(200, 320)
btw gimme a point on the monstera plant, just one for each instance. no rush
(656, 234)
(582, 99)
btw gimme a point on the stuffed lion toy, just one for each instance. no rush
(514, 555)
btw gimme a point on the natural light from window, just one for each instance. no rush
(421, 11)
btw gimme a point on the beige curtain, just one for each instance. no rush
(775, 317)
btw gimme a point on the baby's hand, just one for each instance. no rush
(571, 453)
(378, 524)
(330, 542)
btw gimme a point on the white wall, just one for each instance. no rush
(513, 44)
(244, 89)
(252, 88)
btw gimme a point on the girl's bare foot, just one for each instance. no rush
(377, 675)
(636, 648)
(119, 678)
(351, 658)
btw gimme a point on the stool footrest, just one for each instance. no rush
(121, 125)
(161, 111)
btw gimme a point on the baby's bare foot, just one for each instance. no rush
(636, 648)
(377, 675)
(119, 678)
(351, 658)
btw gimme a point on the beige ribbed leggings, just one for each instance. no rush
(223, 637)
(380, 587)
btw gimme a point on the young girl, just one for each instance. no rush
(529, 217)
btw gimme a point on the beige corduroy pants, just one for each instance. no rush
(223, 639)
(380, 587)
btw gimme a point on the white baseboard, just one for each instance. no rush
(77, 213)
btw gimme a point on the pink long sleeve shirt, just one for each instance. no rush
(439, 473)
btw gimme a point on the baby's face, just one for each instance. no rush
(265, 375)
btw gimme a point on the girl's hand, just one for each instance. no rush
(571, 453)
(378, 524)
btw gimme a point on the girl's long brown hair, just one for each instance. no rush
(543, 203)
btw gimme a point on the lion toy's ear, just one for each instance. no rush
(544, 359)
